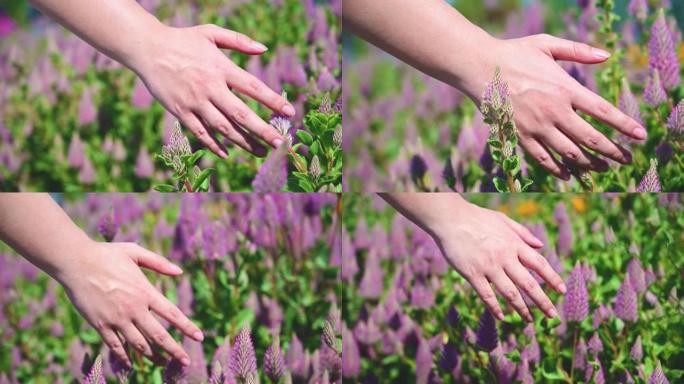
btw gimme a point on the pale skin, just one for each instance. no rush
(486, 247)
(545, 97)
(103, 280)
(183, 68)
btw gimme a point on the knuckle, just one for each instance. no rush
(488, 295)
(240, 115)
(529, 285)
(572, 154)
(159, 338)
(603, 108)
(254, 85)
(510, 294)
(592, 140)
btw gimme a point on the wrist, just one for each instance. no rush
(474, 71)
(145, 41)
(70, 266)
(440, 224)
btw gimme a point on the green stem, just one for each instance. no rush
(574, 348)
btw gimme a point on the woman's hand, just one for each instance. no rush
(114, 296)
(485, 247)
(545, 100)
(193, 79)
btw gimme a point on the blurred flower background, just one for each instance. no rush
(409, 317)
(74, 120)
(407, 131)
(261, 262)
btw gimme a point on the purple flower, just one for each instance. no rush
(595, 344)
(242, 359)
(579, 360)
(655, 94)
(86, 109)
(272, 175)
(7, 25)
(662, 55)
(96, 375)
(141, 97)
(639, 9)
(351, 360)
(372, 282)
(108, 226)
(296, 359)
(564, 244)
(423, 362)
(676, 120)
(576, 305)
(274, 364)
(453, 317)
(174, 372)
(637, 350)
(487, 335)
(76, 152)
(184, 296)
(650, 182)
(449, 357)
(197, 370)
(283, 126)
(144, 167)
(628, 103)
(637, 276)
(87, 173)
(658, 376)
(626, 302)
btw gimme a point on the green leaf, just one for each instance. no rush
(494, 143)
(199, 181)
(315, 148)
(500, 184)
(165, 188)
(512, 165)
(304, 137)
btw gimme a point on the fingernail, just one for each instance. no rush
(198, 336)
(563, 288)
(175, 269)
(565, 175)
(185, 361)
(289, 110)
(500, 315)
(277, 143)
(600, 53)
(552, 312)
(223, 154)
(640, 133)
(258, 45)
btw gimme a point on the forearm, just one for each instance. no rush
(428, 210)
(121, 29)
(38, 229)
(429, 35)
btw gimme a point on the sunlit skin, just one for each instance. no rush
(545, 98)
(486, 247)
(183, 68)
(103, 280)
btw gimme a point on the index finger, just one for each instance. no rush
(154, 331)
(243, 116)
(595, 106)
(538, 263)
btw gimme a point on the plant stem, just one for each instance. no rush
(574, 348)
(187, 185)
(509, 177)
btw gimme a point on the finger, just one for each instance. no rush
(542, 156)
(150, 260)
(198, 129)
(583, 133)
(523, 232)
(151, 328)
(221, 124)
(595, 106)
(247, 84)
(239, 113)
(484, 290)
(523, 279)
(135, 339)
(164, 308)
(225, 38)
(110, 338)
(510, 292)
(568, 50)
(538, 263)
(570, 152)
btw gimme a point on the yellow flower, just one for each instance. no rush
(527, 208)
(637, 56)
(579, 204)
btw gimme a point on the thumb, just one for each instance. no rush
(227, 39)
(150, 260)
(568, 50)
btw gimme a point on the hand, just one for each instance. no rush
(114, 296)
(545, 99)
(485, 247)
(186, 71)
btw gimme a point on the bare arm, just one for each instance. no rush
(485, 247)
(435, 38)
(183, 68)
(103, 280)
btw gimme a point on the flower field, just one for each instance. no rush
(409, 317)
(74, 120)
(421, 134)
(258, 269)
